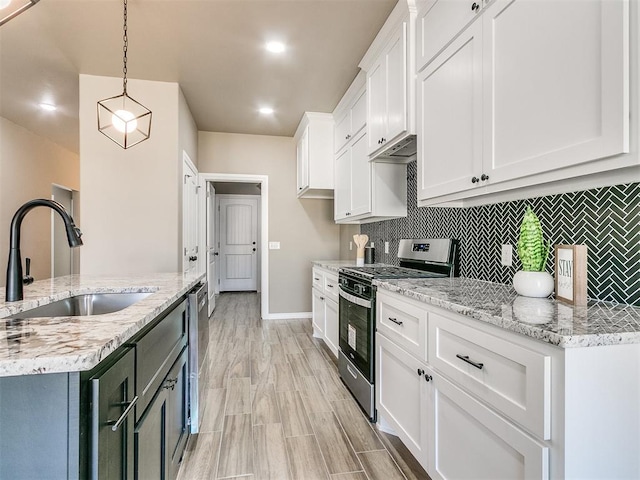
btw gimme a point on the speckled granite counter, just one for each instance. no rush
(70, 344)
(553, 322)
(335, 265)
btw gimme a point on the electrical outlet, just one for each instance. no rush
(274, 245)
(373, 245)
(386, 247)
(350, 245)
(507, 255)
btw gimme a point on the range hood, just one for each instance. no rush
(403, 151)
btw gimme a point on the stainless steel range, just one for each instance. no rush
(422, 258)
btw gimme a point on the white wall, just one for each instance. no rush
(29, 164)
(131, 199)
(304, 228)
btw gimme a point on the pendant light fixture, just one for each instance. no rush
(12, 8)
(121, 118)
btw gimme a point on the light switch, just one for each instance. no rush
(386, 247)
(274, 245)
(507, 255)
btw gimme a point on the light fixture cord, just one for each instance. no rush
(124, 49)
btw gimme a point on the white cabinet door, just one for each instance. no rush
(317, 307)
(556, 92)
(401, 395)
(359, 114)
(471, 441)
(302, 153)
(342, 192)
(377, 100)
(331, 329)
(360, 176)
(439, 23)
(450, 118)
(396, 87)
(342, 131)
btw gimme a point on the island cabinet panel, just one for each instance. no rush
(38, 417)
(91, 424)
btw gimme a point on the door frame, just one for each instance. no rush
(189, 166)
(263, 207)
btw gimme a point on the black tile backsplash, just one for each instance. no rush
(606, 219)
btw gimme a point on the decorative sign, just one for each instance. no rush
(571, 274)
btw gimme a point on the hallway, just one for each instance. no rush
(276, 408)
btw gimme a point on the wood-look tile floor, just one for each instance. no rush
(276, 408)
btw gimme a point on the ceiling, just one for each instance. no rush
(212, 48)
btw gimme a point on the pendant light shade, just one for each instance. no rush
(121, 118)
(12, 8)
(124, 120)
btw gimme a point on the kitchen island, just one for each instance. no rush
(100, 396)
(72, 344)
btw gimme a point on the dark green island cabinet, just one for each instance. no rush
(125, 419)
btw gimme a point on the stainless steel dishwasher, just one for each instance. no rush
(198, 349)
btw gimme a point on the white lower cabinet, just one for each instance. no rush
(317, 306)
(471, 441)
(401, 395)
(324, 304)
(488, 403)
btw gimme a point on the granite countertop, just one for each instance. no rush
(335, 265)
(599, 323)
(71, 344)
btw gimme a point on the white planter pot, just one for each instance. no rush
(533, 284)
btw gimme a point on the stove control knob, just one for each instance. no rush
(359, 289)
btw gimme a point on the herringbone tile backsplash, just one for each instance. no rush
(607, 220)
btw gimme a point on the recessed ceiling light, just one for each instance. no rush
(275, 47)
(48, 107)
(266, 111)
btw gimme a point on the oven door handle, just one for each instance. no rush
(353, 299)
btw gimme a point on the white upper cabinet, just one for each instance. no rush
(364, 191)
(559, 98)
(314, 154)
(351, 122)
(438, 22)
(450, 118)
(390, 68)
(524, 95)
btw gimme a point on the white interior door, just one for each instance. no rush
(189, 216)
(238, 242)
(211, 246)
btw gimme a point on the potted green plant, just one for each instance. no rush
(532, 280)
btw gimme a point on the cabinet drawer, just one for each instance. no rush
(156, 352)
(471, 441)
(317, 279)
(403, 322)
(514, 380)
(331, 286)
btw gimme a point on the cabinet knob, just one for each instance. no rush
(428, 378)
(475, 7)
(484, 177)
(420, 372)
(348, 213)
(475, 180)
(384, 140)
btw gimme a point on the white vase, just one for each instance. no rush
(533, 284)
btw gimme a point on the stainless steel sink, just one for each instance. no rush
(80, 305)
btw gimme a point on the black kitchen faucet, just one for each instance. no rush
(14, 267)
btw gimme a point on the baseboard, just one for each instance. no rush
(287, 316)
